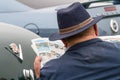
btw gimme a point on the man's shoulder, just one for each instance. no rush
(56, 63)
(109, 45)
(52, 64)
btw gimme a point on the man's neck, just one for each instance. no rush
(80, 40)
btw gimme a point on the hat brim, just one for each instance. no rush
(58, 36)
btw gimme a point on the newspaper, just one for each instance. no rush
(47, 49)
(115, 38)
(54, 49)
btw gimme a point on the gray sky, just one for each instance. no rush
(47, 3)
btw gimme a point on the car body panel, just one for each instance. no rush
(10, 66)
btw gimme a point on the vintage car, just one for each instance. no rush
(16, 53)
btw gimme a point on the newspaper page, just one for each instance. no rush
(54, 49)
(115, 38)
(47, 49)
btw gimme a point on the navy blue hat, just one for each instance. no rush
(73, 20)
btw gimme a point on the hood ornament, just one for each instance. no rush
(16, 51)
(14, 48)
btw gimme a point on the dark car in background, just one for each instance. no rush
(110, 24)
(44, 21)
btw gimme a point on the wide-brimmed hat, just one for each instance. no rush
(73, 20)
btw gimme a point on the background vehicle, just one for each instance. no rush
(40, 21)
(110, 24)
(44, 21)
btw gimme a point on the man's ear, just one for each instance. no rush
(96, 29)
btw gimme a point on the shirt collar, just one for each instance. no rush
(85, 43)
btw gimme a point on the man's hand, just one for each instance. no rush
(37, 66)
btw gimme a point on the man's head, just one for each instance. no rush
(87, 34)
(73, 20)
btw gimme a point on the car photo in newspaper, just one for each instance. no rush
(47, 49)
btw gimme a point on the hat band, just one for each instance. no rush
(76, 27)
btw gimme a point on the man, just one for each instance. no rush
(87, 57)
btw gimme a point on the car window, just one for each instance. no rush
(98, 3)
